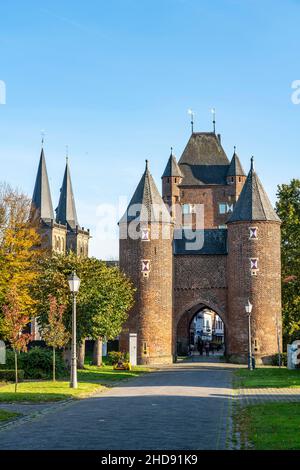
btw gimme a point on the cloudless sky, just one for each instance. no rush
(113, 80)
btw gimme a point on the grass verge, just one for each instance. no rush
(269, 426)
(7, 416)
(90, 379)
(267, 377)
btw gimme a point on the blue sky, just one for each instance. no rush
(113, 81)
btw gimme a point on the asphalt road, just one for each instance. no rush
(186, 406)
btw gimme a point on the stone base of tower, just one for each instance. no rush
(155, 361)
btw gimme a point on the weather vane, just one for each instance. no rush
(214, 119)
(67, 153)
(191, 113)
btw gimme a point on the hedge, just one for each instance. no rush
(37, 363)
(9, 375)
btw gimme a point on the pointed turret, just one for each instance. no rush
(66, 210)
(171, 178)
(172, 169)
(146, 203)
(235, 167)
(41, 206)
(253, 203)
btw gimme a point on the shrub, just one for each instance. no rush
(114, 357)
(9, 375)
(37, 363)
(275, 359)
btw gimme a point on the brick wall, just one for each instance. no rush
(263, 290)
(199, 281)
(151, 318)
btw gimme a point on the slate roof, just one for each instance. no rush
(214, 242)
(203, 160)
(41, 204)
(172, 168)
(144, 198)
(235, 167)
(66, 210)
(253, 203)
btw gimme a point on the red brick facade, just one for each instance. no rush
(180, 284)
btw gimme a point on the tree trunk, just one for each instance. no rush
(81, 355)
(97, 353)
(54, 365)
(16, 369)
(67, 357)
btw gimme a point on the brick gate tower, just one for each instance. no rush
(237, 257)
(253, 273)
(146, 256)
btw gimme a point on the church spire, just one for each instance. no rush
(66, 210)
(41, 205)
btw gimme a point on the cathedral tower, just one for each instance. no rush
(253, 272)
(53, 234)
(146, 257)
(77, 238)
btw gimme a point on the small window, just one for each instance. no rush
(145, 348)
(222, 226)
(253, 233)
(186, 209)
(222, 208)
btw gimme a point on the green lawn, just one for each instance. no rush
(42, 391)
(106, 375)
(7, 416)
(270, 426)
(90, 379)
(269, 377)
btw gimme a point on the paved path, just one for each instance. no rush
(186, 406)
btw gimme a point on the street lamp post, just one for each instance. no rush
(74, 283)
(248, 309)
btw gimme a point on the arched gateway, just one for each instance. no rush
(180, 268)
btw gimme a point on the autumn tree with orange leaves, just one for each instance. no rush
(19, 255)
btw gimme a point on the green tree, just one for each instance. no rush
(103, 301)
(14, 327)
(288, 209)
(54, 333)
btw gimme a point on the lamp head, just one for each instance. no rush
(248, 307)
(74, 283)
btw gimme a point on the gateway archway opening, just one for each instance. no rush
(200, 332)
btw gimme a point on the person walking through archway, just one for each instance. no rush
(200, 346)
(206, 346)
